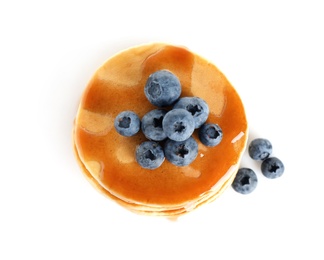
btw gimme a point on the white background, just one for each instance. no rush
(271, 51)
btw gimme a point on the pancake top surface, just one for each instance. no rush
(119, 85)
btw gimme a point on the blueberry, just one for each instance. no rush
(196, 106)
(152, 125)
(162, 88)
(260, 149)
(178, 124)
(245, 181)
(127, 123)
(210, 134)
(181, 153)
(272, 168)
(149, 155)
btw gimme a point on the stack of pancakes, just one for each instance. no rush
(108, 159)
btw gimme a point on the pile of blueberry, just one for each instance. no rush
(170, 126)
(259, 149)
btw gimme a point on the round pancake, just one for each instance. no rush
(109, 158)
(159, 211)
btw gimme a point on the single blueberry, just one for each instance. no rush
(245, 181)
(181, 153)
(149, 155)
(127, 123)
(272, 167)
(260, 149)
(196, 106)
(210, 134)
(162, 88)
(152, 125)
(178, 124)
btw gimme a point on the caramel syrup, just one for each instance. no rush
(119, 85)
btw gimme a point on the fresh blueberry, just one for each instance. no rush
(260, 149)
(127, 123)
(178, 124)
(272, 168)
(181, 153)
(210, 134)
(196, 106)
(152, 125)
(149, 155)
(162, 88)
(245, 181)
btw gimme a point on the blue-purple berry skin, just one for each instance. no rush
(150, 155)
(152, 125)
(196, 106)
(272, 168)
(260, 149)
(245, 181)
(162, 88)
(127, 123)
(178, 124)
(181, 153)
(210, 134)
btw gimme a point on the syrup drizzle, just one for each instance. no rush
(168, 184)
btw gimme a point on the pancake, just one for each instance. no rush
(108, 159)
(158, 211)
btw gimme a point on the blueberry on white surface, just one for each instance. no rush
(210, 134)
(178, 124)
(181, 153)
(196, 106)
(152, 125)
(127, 123)
(245, 181)
(272, 167)
(260, 149)
(162, 88)
(149, 155)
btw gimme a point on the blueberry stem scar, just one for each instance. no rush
(182, 151)
(124, 122)
(274, 168)
(193, 109)
(149, 155)
(245, 180)
(179, 127)
(212, 133)
(157, 122)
